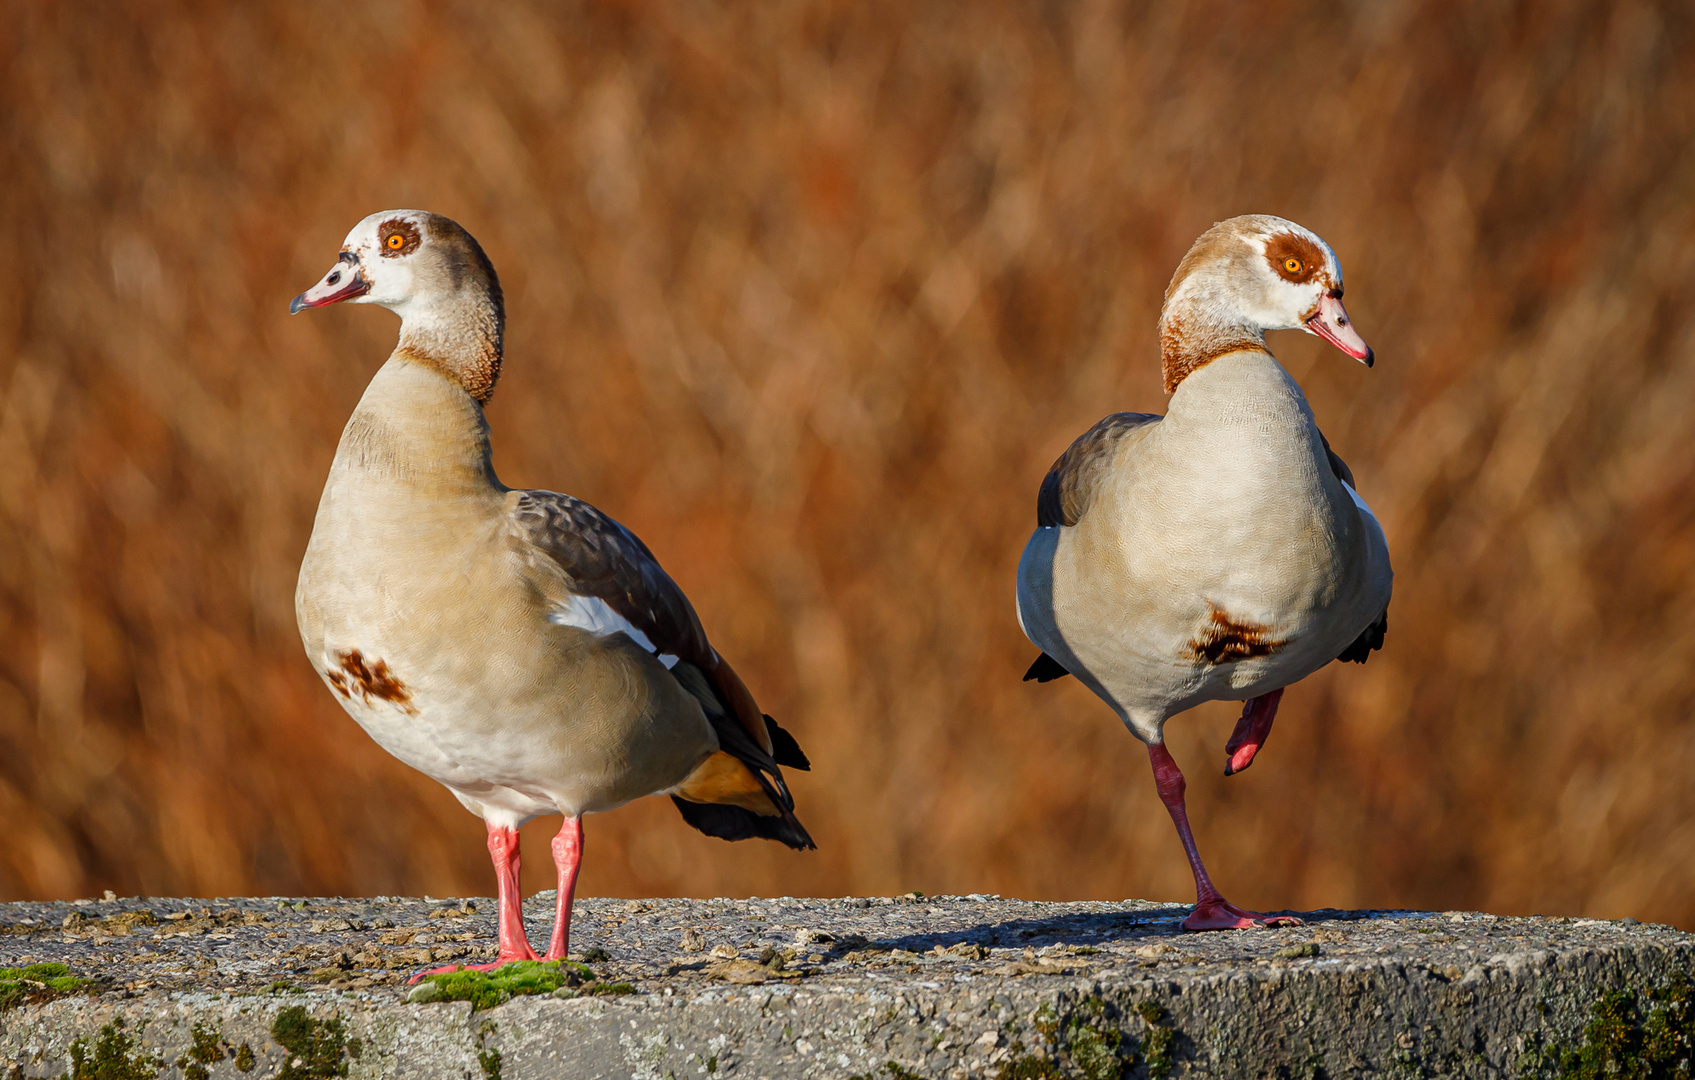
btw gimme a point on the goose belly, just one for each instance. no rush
(1170, 605)
(516, 714)
(591, 724)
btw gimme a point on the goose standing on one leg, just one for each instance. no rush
(1220, 551)
(520, 647)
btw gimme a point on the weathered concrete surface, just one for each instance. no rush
(892, 987)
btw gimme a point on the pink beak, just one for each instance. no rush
(1331, 323)
(341, 283)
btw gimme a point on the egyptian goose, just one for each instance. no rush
(520, 647)
(1219, 552)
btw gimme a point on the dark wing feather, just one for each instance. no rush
(1337, 465)
(1370, 640)
(1070, 484)
(602, 559)
(784, 748)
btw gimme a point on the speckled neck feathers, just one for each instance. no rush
(459, 327)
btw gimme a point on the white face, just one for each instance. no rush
(377, 264)
(1301, 288)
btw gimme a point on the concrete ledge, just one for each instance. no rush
(887, 987)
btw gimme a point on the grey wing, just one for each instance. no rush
(602, 559)
(1337, 465)
(1070, 485)
(1371, 638)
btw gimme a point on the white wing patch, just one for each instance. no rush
(595, 615)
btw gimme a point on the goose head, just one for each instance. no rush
(434, 275)
(1243, 277)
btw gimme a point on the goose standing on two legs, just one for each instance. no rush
(519, 647)
(1219, 552)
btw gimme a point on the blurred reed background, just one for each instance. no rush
(810, 295)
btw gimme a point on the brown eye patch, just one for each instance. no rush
(1295, 258)
(396, 237)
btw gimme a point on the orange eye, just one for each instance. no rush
(1293, 265)
(396, 241)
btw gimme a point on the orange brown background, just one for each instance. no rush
(810, 295)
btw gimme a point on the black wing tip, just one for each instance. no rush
(1045, 669)
(785, 751)
(735, 823)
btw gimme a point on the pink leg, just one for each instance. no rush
(514, 945)
(567, 856)
(1212, 911)
(1251, 731)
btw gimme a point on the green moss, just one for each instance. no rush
(38, 982)
(615, 989)
(595, 955)
(205, 1050)
(1618, 1043)
(892, 1069)
(1088, 1041)
(486, 989)
(244, 1059)
(114, 1057)
(490, 1061)
(1159, 1041)
(317, 1049)
(1030, 1068)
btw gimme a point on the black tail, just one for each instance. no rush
(1045, 669)
(734, 823)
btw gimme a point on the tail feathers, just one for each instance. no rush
(735, 823)
(1045, 669)
(784, 748)
(738, 792)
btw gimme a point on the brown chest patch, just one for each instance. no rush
(357, 678)
(1225, 640)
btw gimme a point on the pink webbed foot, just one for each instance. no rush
(1251, 731)
(1220, 914)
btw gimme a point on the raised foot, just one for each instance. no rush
(1221, 915)
(1241, 758)
(448, 969)
(1251, 732)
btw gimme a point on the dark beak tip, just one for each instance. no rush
(1370, 358)
(297, 305)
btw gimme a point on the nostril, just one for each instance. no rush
(1341, 320)
(335, 277)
